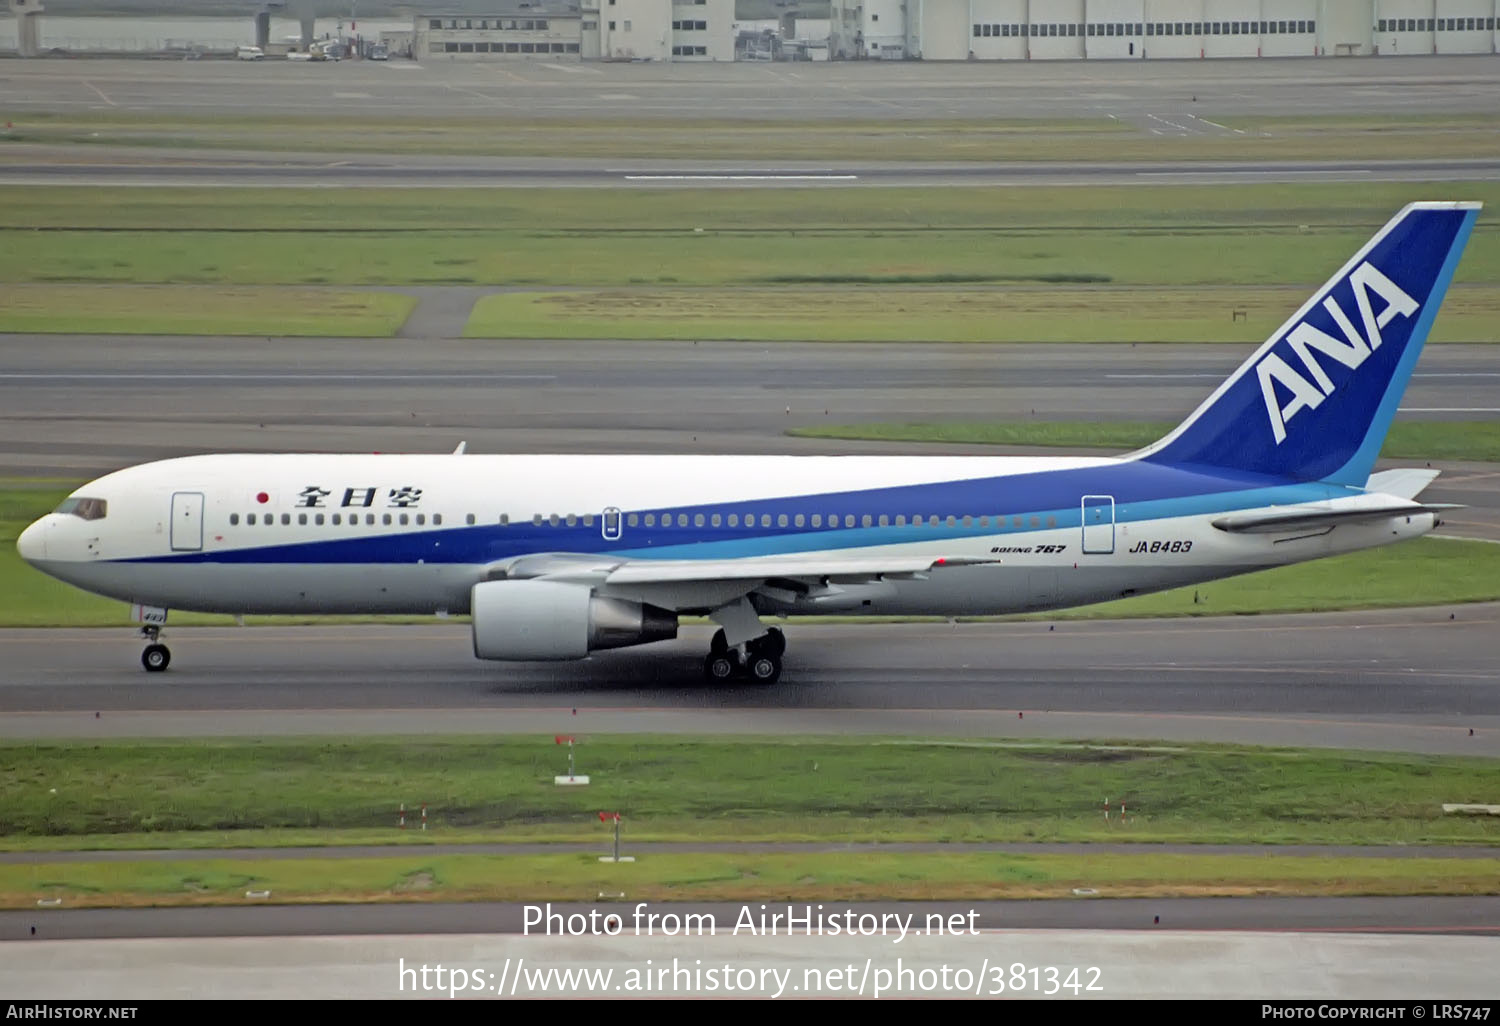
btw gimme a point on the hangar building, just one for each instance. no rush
(952, 30)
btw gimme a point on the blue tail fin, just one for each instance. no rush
(1315, 402)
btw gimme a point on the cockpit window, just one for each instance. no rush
(87, 509)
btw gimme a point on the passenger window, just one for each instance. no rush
(385, 518)
(504, 519)
(682, 520)
(864, 521)
(765, 520)
(437, 518)
(734, 520)
(781, 520)
(370, 519)
(234, 519)
(900, 519)
(817, 520)
(848, 519)
(984, 521)
(1036, 521)
(337, 520)
(421, 519)
(715, 520)
(403, 519)
(1015, 521)
(797, 520)
(572, 520)
(697, 519)
(1051, 521)
(588, 520)
(884, 520)
(632, 520)
(469, 519)
(650, 519)
(302, 519)
(952, 520)
(286, 519)
(968, 521)
(250, 519)
(318, 519)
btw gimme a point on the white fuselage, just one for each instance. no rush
(413, 534)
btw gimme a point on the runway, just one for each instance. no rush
(814, 91)
(1408, 680)
(1435, 914)
(74, 407)
(53, 166)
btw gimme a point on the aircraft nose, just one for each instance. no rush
(32, 545)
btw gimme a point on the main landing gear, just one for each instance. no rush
(760, 660)
(156, 656)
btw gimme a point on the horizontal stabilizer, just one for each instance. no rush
(1294, 518)
(1404, 484)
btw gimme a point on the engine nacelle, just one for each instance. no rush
(524, 620)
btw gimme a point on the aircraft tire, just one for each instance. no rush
(155, 658)
(764, 668)
(719, 667)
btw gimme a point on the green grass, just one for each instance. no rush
(768, 240)
(934, 314)
(873, 137)
(717, 877)
(1415, 440)
(186, 310)
(1424, 572)
(1427, 571)
(289, 791)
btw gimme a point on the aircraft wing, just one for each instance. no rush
(1292, 518)
(608, 570)
(658, 571)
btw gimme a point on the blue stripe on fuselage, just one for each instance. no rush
(1141, 490)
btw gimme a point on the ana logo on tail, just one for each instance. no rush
(1351, 352)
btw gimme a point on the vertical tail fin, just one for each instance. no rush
(1315, 401)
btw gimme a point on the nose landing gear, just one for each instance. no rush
(156, 656)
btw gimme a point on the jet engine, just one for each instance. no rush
(523, 620)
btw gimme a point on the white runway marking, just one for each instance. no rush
(741, 178)
(106, 99)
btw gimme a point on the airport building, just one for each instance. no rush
(624, 30)
(951, 30)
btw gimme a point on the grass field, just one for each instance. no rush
(184, 310)
(277, 792)
(1262, 138)
(718, 877)
(1063, 313)
(762, 239)
(1428, 571)
(1417, 440)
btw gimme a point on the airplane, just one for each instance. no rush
(557, 556)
